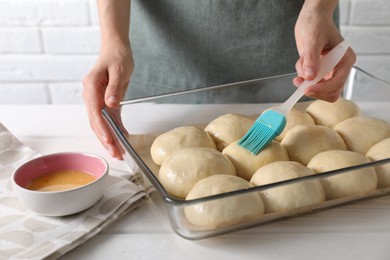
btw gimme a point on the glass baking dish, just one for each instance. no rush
(138, 122)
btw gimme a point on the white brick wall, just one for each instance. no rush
(366, 25)
(47, 46)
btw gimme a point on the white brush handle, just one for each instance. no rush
(328, 62)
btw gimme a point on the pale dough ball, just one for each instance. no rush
(291, 196)
(179, 138)
(378, 152)
(330, 114)
(182, 169)
(345, 184)
(360, 133)
(247, 163)
(226, 211)
(303, 142)
(228, 128)
(295, 117)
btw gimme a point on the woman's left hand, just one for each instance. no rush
(316, 34)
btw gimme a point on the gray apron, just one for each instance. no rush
(187, 44)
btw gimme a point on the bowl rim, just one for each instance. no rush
(92, 155)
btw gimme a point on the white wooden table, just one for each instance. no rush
(356, 231)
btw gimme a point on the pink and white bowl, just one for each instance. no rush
(66, 202)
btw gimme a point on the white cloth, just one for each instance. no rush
(26, 235)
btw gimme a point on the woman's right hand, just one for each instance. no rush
(105, 85)
(316, 34)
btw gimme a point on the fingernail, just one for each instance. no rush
(309, 73)
(112, 100)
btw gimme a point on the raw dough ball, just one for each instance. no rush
(246, 163)
(378, 152)
(360, 133)
(225, 211)
(181, 170)
(228, 128)
(179, 138)
(294, 118)
(348, 183)
(303, 142)
(291, 196)
(330, 114)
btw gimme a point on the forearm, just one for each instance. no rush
(114, 16)
(320, 6)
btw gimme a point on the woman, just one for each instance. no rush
(175, 45)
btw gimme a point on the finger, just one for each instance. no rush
(107, 139)
(94, 108)
(114, 91)
(298, 67)
(118, 118)
(105, 135)
(93, 93)
(331, 89)
(311, 60)
(111, 142)
(297, 81)
(331, 94)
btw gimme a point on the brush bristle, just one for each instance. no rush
(258, 136)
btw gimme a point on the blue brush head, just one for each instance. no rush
(266, 128)
(274, 120)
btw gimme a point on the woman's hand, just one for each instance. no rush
(316, 34)
(105, 85)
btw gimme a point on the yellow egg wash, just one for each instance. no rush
(60, 180)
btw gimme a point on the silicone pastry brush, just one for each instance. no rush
(271, 123)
